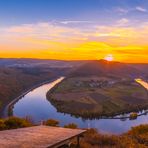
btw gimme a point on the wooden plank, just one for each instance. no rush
(37, 137)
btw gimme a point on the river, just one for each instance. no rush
(143, 83)
(35, 105)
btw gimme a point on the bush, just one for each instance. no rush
(91, 131)
(71, 125)
(141, 129)
(137, 137)
(92, 137)
(51, 122)
(140, 134)
(133, 116)
(2, 125)
(15, 122)
(107, 140)
(29, 119)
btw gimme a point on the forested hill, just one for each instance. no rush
(106, 68)
(14, 81)
(19, 75)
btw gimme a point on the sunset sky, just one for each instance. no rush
(74, 29)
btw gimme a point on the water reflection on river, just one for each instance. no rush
(36, 105)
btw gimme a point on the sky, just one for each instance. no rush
(74, 29)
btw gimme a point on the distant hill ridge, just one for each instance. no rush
(106, 68)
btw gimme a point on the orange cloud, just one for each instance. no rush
(47, 40)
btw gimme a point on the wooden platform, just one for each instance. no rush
(37, 137)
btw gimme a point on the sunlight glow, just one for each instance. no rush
(109, 57)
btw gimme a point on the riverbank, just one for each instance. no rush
(98, 97)
(38, 108)
(8, 108)
(124, 114)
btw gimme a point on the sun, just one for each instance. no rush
(109, 57)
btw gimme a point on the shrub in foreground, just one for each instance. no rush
(141, 129)
(71, 125)
(15, 122)
(139, 133)
(137, 137)
(2, 125)
(51, 122)
(93, 138)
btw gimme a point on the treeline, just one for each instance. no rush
(136, 137)
(69, 108)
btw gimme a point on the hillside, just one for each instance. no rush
(19, 75)
(15, 80)
(42, 63)
(100, 88)
(105, 68)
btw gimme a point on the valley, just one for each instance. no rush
(98, 89)
(90, 90)
(74, 73)
(17, 76)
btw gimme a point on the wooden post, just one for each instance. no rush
(78, 141)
